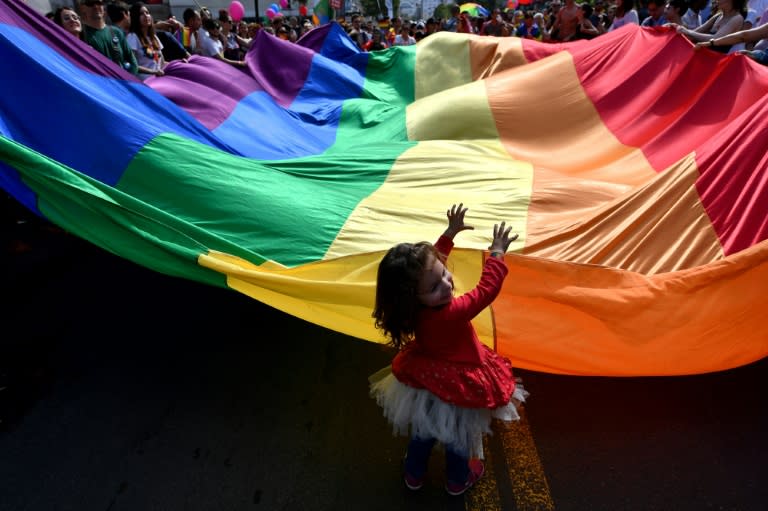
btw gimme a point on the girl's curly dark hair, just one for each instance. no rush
(397, 281)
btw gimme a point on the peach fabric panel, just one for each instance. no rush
(656, 228)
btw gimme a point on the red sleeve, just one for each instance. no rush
(444, 245)
(469, 305)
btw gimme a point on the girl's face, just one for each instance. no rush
(71, 22)
(145, 18)
(436, 285)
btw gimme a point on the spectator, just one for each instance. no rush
(404, 38)
(172, 48)
(430, 27)
(212, 46)
(529, 29)
(625, 14)
(242, 29)
(465, 24)
(189, 36)
(277, 22)
(494, 24)
(253, 30)
(544, 35)
(120, 16)
(566, 20)
(377, 42)
(107, 40)
(144, 42)
(750, 20)
(234, 45)
(517, 19)
(171, 25)
(358, 35)
(293, 24)
(67, 18)
(757, 34)
(282, 33)
(584, 28)
(597, 12)
(420, 32)
(759, 6)
(673, 11)
(452, 23)
(693, 16)
(727, 21)
(655, 16)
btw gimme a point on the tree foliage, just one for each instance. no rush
(442, 11)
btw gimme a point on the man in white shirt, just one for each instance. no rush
(211, 45)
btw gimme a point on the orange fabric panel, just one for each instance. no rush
(590, 320)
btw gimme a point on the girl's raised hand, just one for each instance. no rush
(501, 238)
(456, 220)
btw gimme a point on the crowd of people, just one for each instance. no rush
(727, 26)
(130, 37)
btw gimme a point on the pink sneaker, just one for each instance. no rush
(413, 483)
(476, 471)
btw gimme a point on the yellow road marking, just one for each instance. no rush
(523, 468)
(485, 494)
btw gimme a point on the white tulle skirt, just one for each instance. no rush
(418, 412)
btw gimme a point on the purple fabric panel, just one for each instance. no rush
(207, 88)
(281, 67)
(314, 39)
(19, 14)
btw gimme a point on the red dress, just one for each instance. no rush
(446, 356)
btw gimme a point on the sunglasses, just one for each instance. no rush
(73, 17)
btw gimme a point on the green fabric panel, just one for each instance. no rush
(380, 113)
(298, 206)
(111, 219)
(178, 199)
(289, 211)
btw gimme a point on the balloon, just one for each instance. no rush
(275, 8)
(302, 10)
(270, 13)
(284, 4)
(236, 10)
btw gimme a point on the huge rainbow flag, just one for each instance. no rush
(633, 167)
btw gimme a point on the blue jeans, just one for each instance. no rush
(417, 459)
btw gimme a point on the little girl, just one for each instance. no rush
(443, 385)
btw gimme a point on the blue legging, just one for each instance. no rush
(417, 459)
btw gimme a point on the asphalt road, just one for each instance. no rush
(130, 390)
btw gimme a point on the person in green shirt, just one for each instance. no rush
(106, 39)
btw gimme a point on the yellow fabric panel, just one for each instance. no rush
(445, 61)
(338, 294)
(442, 62)
(460, 113)
(411, 204)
